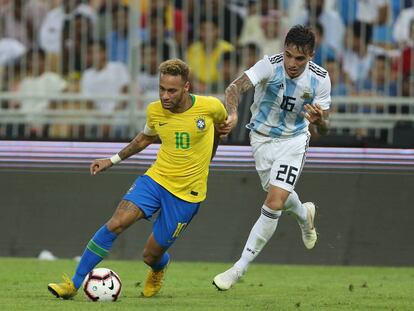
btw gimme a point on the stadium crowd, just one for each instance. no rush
(48, 47)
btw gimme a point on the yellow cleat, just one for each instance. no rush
(153, 283)
(65, 290)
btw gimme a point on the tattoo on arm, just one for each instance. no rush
(234, 91)
(139, 143)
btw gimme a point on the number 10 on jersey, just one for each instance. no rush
(182, 140)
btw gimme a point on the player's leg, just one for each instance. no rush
(174, 217)
(98, 247)
(157, 258)
(305, 215)
(279, 163)
(260, 234)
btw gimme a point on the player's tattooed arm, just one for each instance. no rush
(234, 91)
(139, 143)
(231, 102)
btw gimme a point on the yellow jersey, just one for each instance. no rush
(187, 139)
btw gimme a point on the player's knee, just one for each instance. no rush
(115, 225)
(275, 203)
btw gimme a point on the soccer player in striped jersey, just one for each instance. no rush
(291, 92)
(174, 185)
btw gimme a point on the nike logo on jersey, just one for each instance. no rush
(162, 123)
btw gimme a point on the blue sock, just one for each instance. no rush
(162, 263)
(95, 251)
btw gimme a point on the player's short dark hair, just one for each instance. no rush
(302, 37)
(175, 67)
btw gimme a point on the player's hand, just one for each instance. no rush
(225, 128)
(99, 165)
(313, 113)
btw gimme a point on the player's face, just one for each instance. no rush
(295, 60)
(172, 91)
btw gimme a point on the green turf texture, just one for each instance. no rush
(188, 287)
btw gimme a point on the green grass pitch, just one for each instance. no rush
(188, 287)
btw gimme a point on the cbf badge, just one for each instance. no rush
(201, 123)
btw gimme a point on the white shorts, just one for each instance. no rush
(279, 161)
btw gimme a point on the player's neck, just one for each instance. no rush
(184, 105)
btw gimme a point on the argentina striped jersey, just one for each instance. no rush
(279, 101)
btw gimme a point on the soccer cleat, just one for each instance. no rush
(309, 235)
(65, 290)
(153, 282)
(227, 279)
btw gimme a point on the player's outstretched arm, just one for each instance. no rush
(139, 143)
(231, 102)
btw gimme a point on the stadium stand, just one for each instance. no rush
(366, 46)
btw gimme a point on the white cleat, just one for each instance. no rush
(309, 235)
(227, 279)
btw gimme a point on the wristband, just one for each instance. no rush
(115, 159)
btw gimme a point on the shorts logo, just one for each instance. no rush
(201, 123)
(130, 189)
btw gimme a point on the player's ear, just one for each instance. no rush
(187, 86)
(311, 55)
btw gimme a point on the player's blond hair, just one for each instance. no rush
(175, 67)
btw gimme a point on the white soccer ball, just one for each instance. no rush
(102, 284)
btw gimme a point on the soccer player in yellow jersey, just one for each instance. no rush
(175, 184)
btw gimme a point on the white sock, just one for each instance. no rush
(294, 206)
(261, 232)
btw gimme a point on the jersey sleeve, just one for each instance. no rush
(149, 128)
(323, 93)
(219, 113)
(260, 71)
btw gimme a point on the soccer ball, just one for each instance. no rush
(102, 284)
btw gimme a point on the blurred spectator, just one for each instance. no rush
(338, 86)
(77, 33)
(172, 27)
(204, 56)
(322, 50)
(21, 20)
(156, 32)
(252, 31)
(378, 14)
(10, 51)
(50, 36)
(105, 17)
(104, 78)
(148, 78)
(358, 57)
(229, 22)
(249, 54)
(381, 80)
(334, 29)
(401, 31)
(347, 10)
(372, 11)
(38, 82)
(265, 28)
(229, 70)
(408, 53)
(118, 39)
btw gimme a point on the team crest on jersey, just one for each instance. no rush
(201, 123)
(307, 94)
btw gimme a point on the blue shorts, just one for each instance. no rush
(174, 216)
